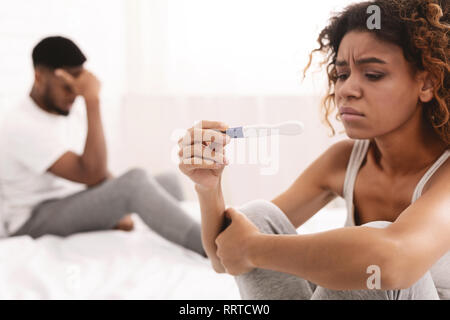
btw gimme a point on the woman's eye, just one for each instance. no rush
(342, 76)
(374, 77)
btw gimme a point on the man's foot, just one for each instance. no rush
(125, 224)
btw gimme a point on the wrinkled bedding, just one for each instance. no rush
(115, 265)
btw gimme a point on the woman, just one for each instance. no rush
(390, 89)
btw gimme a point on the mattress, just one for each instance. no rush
(118, 265)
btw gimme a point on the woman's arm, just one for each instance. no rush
(339, 259)
(336, 259)
(320, 183)
(212, 207)
(204, 166)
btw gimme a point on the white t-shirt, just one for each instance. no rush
(31, 140)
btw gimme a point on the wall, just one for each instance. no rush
(96, 26)
(165, 64)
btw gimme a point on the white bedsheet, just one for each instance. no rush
(116, 265)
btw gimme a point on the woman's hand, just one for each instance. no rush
(235, 242)
(202, 153)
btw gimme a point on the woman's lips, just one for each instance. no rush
(350, 117)
(350, 114)
(346, 110)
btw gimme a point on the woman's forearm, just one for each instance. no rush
(341, 259)
(212, 207)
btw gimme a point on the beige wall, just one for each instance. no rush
(148, 125)
(165, 64)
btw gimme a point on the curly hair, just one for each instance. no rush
(419, 27)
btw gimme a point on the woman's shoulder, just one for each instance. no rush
(338, 154)
(341, 148)
(335, 160)
(440, 177)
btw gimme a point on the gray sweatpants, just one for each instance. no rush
(273, 285)
(154, 199)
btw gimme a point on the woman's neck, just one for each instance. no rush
(409, 149)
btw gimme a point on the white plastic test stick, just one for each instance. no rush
(288, 128)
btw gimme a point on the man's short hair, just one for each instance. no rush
(57, 52)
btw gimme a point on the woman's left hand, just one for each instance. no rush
(234, 243)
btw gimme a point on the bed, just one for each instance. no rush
(120, 265)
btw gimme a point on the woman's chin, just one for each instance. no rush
(357, 134)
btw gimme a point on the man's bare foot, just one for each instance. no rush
(125, 224)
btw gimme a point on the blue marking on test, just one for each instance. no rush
(235, 132)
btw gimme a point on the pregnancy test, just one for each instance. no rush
(288, 128)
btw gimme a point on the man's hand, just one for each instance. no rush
(86, 84)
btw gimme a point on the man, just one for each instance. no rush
(37, 160)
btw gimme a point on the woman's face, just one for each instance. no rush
(376, 82)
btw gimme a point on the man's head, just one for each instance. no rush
(48, 55)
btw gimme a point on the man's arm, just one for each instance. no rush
(90, 168)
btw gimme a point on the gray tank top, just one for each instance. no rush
(440, 271)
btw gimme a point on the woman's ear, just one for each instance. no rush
(426, 93)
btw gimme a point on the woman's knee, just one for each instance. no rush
(377, 224)
(267, 217)
(423, 289)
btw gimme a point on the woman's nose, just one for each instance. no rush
(349, 88)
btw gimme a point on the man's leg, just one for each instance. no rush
(124, 224)
(102, 206)
(169, 181)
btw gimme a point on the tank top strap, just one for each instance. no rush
(419, 188)
(357, 156)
